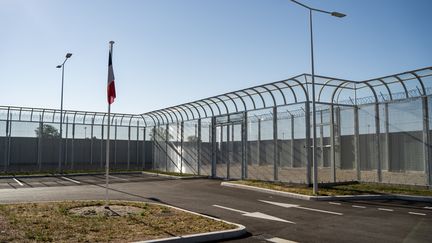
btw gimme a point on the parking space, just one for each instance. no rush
(19, 182)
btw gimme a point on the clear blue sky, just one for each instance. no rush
(173, 51)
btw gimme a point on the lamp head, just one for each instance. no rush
(59, 66)
(68, 55)
(337, 14)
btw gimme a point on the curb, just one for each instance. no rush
(174, 177)
(72, 174)
(330, 198)
(202, 237)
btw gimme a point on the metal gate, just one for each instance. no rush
(229, 149)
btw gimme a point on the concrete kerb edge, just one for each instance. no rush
(202, 237)
(330, 198)
(174, 177)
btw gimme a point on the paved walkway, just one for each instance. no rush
(268, 218)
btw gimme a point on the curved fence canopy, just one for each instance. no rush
(297, 90)
(27, 114)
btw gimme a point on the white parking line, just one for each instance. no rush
(357, 206)
(231, 209)
(422, 214)
(334, 203)
(69, 179)
(19, 182)
(280, 240)
(386, 209)
(428, 207)
(115, 177)
(255, 214)
(287, 205)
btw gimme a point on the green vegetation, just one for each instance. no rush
(79, 221)
(342, 189)
(47, 131)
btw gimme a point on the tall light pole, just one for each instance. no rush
(314, 160)
(68, 55)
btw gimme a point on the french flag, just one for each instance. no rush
(111, 87)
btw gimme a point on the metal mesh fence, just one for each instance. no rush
(383, 136)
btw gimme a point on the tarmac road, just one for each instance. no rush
(268, 218)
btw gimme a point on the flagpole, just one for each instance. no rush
(108, 146)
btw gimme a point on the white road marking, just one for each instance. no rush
(115, 177)
(19, 182)
(428, 207)
(286, 205)
(232, 209)
(357, 206)
(386, 209)
(69, 179)
(255, 214)
(280, 240)
(422, 214)
(334, 203)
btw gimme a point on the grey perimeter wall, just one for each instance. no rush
(386, 143)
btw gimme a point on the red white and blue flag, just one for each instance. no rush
(111, 87)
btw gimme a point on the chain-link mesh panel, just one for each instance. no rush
(206, 149)
(345, 146)
(288, 172)
(261, 146)
(368, 144)
(221, 152)
(190, 147)
(235, 152)
(405, 149)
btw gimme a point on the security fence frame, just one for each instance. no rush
(376, 130)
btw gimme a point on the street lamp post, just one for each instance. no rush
(314, 161)
(68, 55)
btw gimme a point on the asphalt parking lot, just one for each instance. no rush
(268, 218)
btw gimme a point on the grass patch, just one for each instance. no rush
(55, 222)
(170, 173)
(345, 189)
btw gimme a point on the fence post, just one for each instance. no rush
(199, 147)
(332, 143)
(426, 141)
(137, 145)
(66, 142)
(153, 147)
(91, 142)
(357, 143)
(115, 143)
(259, 142)
(128, 145)
(213, 145)
(228, 162)
(387, 138)
(244, 140)
(72, 146)
(101, 146)
(292, 141)
(144, 148)
(377, 143)
(39, 158)
(308, 144)
(275, 146)
(8, 140)
(166, 146)
(181, 146)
